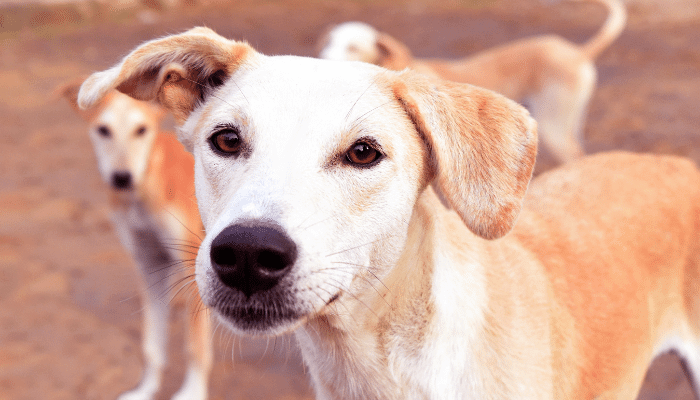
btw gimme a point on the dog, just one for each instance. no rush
(154, 212)
(382, 216)
(553, 77)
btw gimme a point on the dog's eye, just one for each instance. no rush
(141, 130)
(362, 154)
(226, 141)
(104, 131)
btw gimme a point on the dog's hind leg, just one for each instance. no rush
(560, 112)
(691, 373)
(690, 351)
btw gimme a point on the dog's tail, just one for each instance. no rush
(611, 29)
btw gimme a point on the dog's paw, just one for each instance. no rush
(145, 391)
(194, 387)
(136, 394)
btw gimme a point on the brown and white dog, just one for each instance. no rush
(552, 76)
(155, 215)
(383, 216)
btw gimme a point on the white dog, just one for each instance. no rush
(155, 215)
(552, 76)
(355, 205)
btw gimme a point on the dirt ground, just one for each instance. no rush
(69, 305)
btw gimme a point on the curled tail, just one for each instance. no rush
(611, 29)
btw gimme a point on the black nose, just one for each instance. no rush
(121, 180)
(252, 258)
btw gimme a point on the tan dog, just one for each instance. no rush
(154, 212)
(355, 205)
(552, 76)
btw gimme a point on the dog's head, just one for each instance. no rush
(122, 131)
(307, 171)
(357, 41)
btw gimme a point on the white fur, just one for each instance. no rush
(351, 41)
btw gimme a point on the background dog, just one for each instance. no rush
(553, 77)
(356, 205)
(154, 212)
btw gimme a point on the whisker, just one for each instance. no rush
(366, 115)
(178, 265)
(187, 280)
(356, 247)
(321, 221)
(181, 243)
(374, 81)
(366, 268)
(366, 279)
(345, 290)
(183, 225)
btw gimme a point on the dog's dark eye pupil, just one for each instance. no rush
(226, 141)
(103, 131)
(362, 153)
(141, 131)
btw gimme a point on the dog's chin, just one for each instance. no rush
(258, 322)
(259, 317)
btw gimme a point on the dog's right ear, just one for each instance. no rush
(392, 53)
(178, 71)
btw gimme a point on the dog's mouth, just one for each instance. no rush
(267, 313)
(255, 319)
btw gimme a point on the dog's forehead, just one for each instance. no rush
(305, 78)
(288, 89)
(123, 113)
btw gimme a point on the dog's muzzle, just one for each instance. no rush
(252, 258)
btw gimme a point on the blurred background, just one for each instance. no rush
(69, 303)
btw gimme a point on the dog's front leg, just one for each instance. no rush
(154, 266)
(155, 334)
(199, 349)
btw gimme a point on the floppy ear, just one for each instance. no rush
(178, 71)
(392, 53)
(69, 91)
(482, 145)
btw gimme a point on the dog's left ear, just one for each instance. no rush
(178, 71)
(482, 146)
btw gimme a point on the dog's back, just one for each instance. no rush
(626, 268)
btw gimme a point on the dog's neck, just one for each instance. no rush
(371, 336)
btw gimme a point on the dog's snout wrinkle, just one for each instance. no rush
(252, 258)
(122, 180)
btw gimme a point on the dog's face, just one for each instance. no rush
(351, 41)
(307, 171)
(329, 176)
(122, 131)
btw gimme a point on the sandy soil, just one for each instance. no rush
(69, 308)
